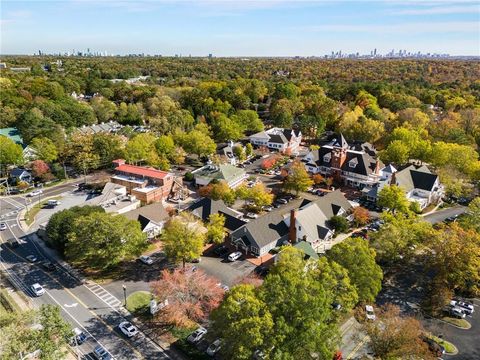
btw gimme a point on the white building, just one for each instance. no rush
(279, 139)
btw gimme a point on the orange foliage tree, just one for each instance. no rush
(361, 216)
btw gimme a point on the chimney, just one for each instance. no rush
(377, 167)
(292, 231)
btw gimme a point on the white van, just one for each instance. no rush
(53, 203)
(234, 256)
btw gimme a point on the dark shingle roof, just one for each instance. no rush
(205, 207)
(423, 180)
(154, 212)
(277, 139)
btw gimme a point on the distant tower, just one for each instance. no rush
(375, 52)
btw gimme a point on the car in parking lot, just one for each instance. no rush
(146, 259)
(197, 335)
(282, 201)
(35, 193)
(101, 354)
(47, 265)
(37, 289)
(221, 251)
(128, 329)
(369, 313)
(79, 337)
(234, 256)
(466, 307)
(3, 226)
(267, 208)
(214, 347)
(456, 312)
(262, 270)
(31, 258)
(251, 215)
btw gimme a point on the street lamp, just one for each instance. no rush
(125, 294)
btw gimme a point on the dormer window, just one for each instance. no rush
(327, 157)
(353, 163)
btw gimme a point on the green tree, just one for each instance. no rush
(45, 149)
(339, 223)
(216, 228)
(183, 238)
(248, 120)
(355, 255)
(141, 148)
(248, 149)
(61, 223)
(108, 147)
(471, 220)
(101, 241)
(79, 150)
(394, 199)
(10, 153)
(297, 178)
(226, 129)
(258, 194)
(197, 142)
(396, 152)
(165, 146)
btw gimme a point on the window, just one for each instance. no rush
(353, 163)
(255, 250)
(327, 157)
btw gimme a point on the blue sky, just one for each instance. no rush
(240, 28)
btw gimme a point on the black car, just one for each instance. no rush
(47, 265)
(222, 250)
(262, 270)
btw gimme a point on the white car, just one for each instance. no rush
(146, 259)
(370, 313)
(268, 208)
(128, 329)
(214, 347)
(251, 215)
(3, 226)
(35, 193)
(31, 258)
(234, 256)
(465, 306)
(197, 335)
(37, 289)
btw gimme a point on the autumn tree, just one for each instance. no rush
(39, 168)
(79, 150)
(258, 194)
(361, 216)
(355, 255)
(191, 296)
(318, 179)
(395, 336)
(216, 228)
(183, 238)
(297, 179)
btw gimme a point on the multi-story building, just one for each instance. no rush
(283, 140)
(146, 184)
(354, 165)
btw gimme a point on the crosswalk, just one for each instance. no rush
(103, 294)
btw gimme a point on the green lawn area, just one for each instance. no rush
(33, 211)
(464, 324)
(139, 302)
(449, 347)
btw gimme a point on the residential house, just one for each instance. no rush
(297, 221)
(151, 217)
(420, 184)
(114, 199)
(108, 127)
(353, 164)
(146, 184)
(283, 140)
(227, 154)
(20, 174)
(206, 207)
(230, 174)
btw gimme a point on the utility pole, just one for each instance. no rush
(125, 295)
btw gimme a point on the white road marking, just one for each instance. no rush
(71, 305)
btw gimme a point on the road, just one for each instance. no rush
(441, 215)
(85, 306)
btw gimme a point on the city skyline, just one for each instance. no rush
(249, 28)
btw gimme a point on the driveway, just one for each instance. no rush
(441, 215)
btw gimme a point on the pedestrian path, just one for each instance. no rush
(103, 294)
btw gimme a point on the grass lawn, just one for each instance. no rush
(449, 347)
(464, 324)
(33, 211)
(139, 302)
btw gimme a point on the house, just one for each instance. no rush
(151, 217)
(146, 184)
(227, 153)
(300, 220)
(114, 199)
(370, 192)
(20, 174)
(206, 207)
(283, 140)
(420, 184)
(108, 127)
(353, 164)
(230, 174)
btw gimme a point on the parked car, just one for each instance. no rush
(146, 259)
(195, 260)
(456, 312)
(197, 335)
(128, 329)
(282, 201)
(37, 289)
(47, 265)
(234, 256)
(35, 193)
(465, 306)
(370, 314)
(3, 226)
(214, 347)
(101, 354)
(251, 215)
(221, 250)
(267, 208)
(262, 270)
(31, 258)
(53, 203)
(79, 337)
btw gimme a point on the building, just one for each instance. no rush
(230, 174)
(206, 207)
(300, 220)
(108, 127)
(114, 199)
(355, 165)
(283, 140)
(152, 218)
(146, 184)
(227, 153)
(21, 174)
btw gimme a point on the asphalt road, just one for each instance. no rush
(441, 215)
(85, 306)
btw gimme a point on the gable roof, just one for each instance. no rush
(154, 212)
(340, 142)
(205, 207)
(413, 177)
(141, 171)
(278, 138)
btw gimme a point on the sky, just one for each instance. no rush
(240, 27)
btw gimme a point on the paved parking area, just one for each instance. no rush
(228, 273)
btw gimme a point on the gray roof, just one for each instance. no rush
(154, 212)
(205, 207)
(413, 177)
